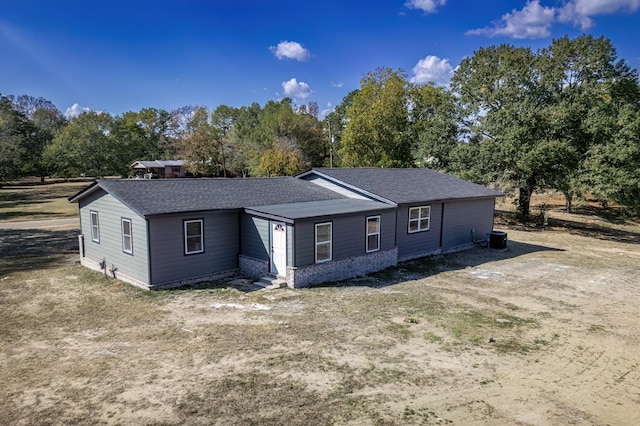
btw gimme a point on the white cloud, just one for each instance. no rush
(427, 6)
(432, 69)
(605, 7)
(295, 89)
(580, 12)
(568, 14)
(328, 110)
(339, 85)
(75, 110)
(535, 20)
(290, 50)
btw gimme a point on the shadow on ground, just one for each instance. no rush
(244, 285)
(587, 221)
(28, 249)
(429, 266)
(8, 215)
(594, 230)
(25, 249)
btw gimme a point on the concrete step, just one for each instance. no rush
(271, 281)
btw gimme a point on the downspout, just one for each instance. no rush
(149, 254)
(493, 216)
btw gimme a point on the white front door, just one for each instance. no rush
(279, 248)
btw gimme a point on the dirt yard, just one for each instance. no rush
(544, 333)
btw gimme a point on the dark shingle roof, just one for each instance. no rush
(162, 196)
(405, 186)
(312, 209)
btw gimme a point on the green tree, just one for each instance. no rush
(538, 117)
(201, 147)
(498, 89)
(282, 159)
(47, 122)
(433, 118)
(333, 126)
(43, 119)
(576, 77)
(85, 147)
(15, 128)
(155, 128)
(257, 132)
(28, 105)
(243, 140)
(222, 121)
(612, 168)
(377, 132)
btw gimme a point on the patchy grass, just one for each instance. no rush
(466, 338)
(29, 201)
(82, 344)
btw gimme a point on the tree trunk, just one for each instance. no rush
(224, 164)
(568, 196)
(523, 212)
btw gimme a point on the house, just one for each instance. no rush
(159, 168)
(321, 225)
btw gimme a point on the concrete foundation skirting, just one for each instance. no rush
(96, 266)
(304, 276)
(456, 249)
(413, 256)
(195, 280)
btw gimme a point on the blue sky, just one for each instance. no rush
(118, 56)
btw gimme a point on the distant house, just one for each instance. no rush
(321, 225)
(159, 169)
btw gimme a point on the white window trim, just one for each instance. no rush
(419, 219)
(377, 233)
(95, 225)
(329, 243)
(186, 245)
(130, 235)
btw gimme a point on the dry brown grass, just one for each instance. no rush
(409, 345)
(30, 200)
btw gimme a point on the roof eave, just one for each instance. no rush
(151, 215)
(444, 200)
(84, 192)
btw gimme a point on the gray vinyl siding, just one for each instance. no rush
(461, 217)
(418, 242)
(221, 246)
(110, 215)
(255, 237)
(348, 239)
(290, 244)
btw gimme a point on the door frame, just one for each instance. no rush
(281, 267)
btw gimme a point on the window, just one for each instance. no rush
(127, 241)
(193, 237)
(373, 233)
(419, 218)
(95, 227)
(323, 242)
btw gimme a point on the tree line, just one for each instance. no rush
(564, 118)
